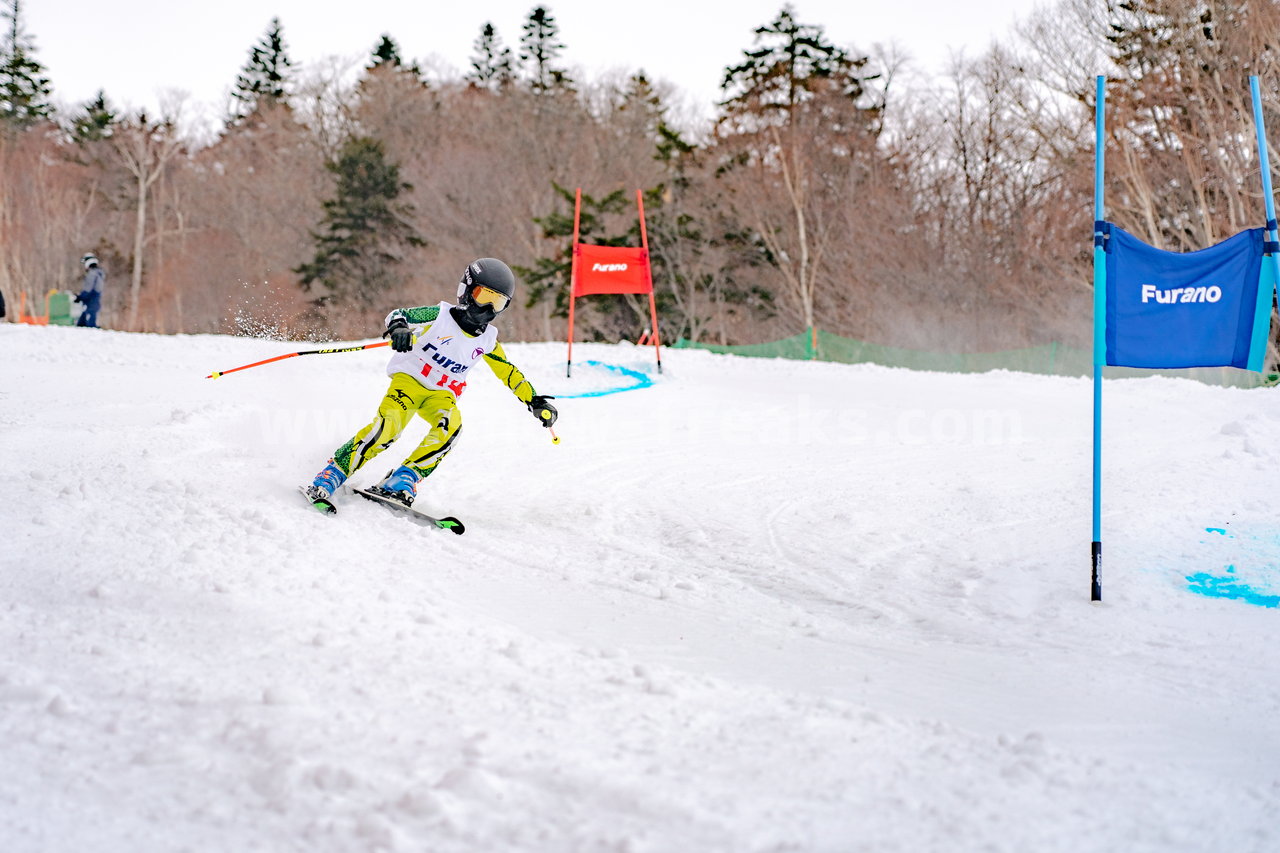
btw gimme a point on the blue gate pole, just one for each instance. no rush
(1264, 163)
(1263, 158)
(1099, 335)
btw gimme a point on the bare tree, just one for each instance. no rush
(797, 137)
(144, 147)
(255, 195)
(1180, 117)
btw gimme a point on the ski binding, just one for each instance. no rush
(449, 523)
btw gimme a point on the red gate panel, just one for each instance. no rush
(611, 269)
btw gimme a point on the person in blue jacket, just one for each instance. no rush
(91, 292)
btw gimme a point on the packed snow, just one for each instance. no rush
(759, 605)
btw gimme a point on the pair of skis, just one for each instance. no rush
(449, 523)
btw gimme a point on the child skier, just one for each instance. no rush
(435, 346)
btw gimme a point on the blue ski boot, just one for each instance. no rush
(326, 483)
(400, 485)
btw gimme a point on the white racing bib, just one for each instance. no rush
(442, 353)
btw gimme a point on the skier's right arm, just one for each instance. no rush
(415, 316)
(399, 321)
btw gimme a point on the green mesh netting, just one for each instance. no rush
(1052, 359)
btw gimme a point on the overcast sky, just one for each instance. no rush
(137, 49)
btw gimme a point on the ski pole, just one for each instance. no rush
(546, 416)
(218, 373)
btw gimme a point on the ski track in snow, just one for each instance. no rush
(761, 606)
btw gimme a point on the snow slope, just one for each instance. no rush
(759, 606)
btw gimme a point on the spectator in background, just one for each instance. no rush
(91, 293)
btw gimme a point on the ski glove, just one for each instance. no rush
(543, 411)
(401, 335)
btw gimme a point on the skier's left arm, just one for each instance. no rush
(514, 379)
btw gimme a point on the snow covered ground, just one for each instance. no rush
(759, 606)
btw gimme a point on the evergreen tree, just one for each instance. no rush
(387, 56)
(386, 53)
(365, 228)
(24, 90)
(491, 66)
(1153, 38)
(550, 276)
(641, 97)
(640, 108)
(94, 120)
(264, 79)
(540, 47)
(793, 67)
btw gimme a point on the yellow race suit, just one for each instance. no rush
(426, 381)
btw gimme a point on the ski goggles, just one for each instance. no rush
(482, 295)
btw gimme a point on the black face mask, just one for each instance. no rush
(467, 322)
(480, 315)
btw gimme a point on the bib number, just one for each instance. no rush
(454, 385)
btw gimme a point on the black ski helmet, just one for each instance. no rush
(488, 273)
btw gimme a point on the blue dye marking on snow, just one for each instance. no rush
(1229, 585)
(640, 381)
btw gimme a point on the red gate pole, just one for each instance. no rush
(648, 271)
(573, 277)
